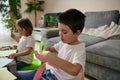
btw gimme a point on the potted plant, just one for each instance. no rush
(35, 5)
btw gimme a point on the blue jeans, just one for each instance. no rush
(26, 75)
(20, 65)
(14, 66)
(29, 75)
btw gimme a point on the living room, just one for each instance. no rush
(87, 6)
(55, 6)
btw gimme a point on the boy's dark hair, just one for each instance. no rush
(72, 18)
(26, 24)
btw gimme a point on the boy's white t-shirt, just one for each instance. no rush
(73, 54)
(24, 43)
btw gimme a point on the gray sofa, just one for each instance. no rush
(102, 55)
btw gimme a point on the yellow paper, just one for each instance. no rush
(6, 75)
(6, 53)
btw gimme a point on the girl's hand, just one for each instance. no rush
(12, 56)
(13, 35)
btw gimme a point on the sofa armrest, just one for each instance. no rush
(119, 19)
(49, 33)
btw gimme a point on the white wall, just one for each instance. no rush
(31, 16)
(23, 8)
(52, 6)
(83, 5)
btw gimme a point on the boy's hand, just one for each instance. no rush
(39, 56)
(42, 58)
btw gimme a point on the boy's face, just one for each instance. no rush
(67, 35)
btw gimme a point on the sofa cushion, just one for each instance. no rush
(101, 72)
(100, 18)
(89, 39)
(49, 33)
(52, 41)
(106, 53)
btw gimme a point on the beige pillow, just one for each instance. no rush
(113, 30)
(94, 31)
(104, 31)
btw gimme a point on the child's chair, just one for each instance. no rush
(35, 62)
(41, 47)
(83, 76)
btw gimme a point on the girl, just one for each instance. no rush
(23, 55)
